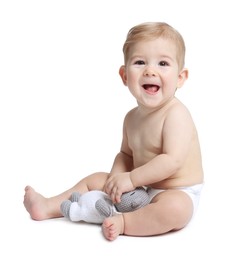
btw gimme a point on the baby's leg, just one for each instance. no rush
(169, 210)
(40, 207)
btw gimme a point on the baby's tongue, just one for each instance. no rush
(151, 88)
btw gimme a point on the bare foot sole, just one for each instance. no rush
(35, 204)
(113, 227)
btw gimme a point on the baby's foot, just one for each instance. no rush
(113, 227)
(35, 204)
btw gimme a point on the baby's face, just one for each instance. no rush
(152, 71)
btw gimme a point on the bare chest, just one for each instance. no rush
(145, 139)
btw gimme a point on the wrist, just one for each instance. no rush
(131, 176)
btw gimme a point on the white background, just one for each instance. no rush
(62, 104)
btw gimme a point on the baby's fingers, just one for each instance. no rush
(116, 195)
(108, 188)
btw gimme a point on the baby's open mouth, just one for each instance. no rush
(150, 88)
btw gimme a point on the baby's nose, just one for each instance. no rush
(149, 72)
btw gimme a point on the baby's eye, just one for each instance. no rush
(163, 63)
(139, 62)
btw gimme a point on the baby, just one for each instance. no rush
(160, 148)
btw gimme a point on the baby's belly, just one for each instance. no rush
(179, 181)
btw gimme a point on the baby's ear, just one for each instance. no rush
(122, 72)
(182, 77)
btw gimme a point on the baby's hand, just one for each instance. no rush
(117, 184)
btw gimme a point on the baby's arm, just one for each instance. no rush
(177, 135)
(119, 179)
(122, 163)
(124, 160)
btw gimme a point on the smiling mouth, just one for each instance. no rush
(151, 89)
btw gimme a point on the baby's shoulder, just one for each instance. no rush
(177, 114)
(177, 108)
(130, 113)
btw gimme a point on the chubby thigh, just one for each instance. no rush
(169, 210)
(175, 207)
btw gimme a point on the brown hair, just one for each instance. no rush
(154, 30)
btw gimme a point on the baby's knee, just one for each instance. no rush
(175, 208)
(181, 210)
(96, 181)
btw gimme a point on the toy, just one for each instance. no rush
(95, 206)
(81, 207)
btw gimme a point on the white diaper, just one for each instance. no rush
(193, 192)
